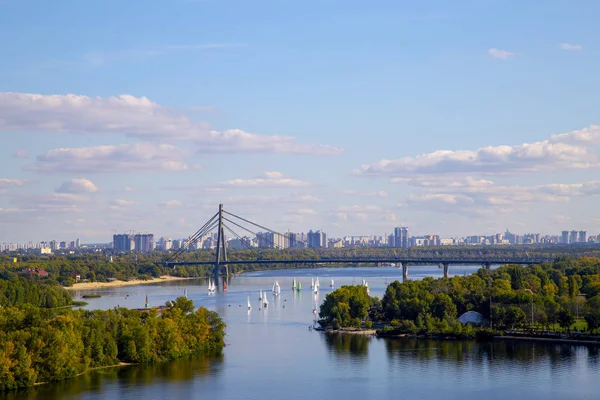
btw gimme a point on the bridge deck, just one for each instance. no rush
(371, 261)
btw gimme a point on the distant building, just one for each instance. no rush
(582, 237)
(317, 239)
(573, 237)
(564, 237)
(143, 243)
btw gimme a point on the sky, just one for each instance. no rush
(448, 117)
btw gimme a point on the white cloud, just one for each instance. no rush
(6, 182)
(502, 54)
(306, 211)
(137, 117)
(567, 46)
(125, 158)
(170, 204)
(118, 204)
(78, 186)
(352, 192)
(560, 152)
(271, 179)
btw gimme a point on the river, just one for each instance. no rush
(271, 353)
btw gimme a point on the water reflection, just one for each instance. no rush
(115, 379)
(348, 344)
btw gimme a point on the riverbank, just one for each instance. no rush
(114, 284)
(366, 332)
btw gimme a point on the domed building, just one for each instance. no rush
(471, 317)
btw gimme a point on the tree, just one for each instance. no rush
(565, 319)
(515, 317)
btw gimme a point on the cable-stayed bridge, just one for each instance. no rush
(224, 221)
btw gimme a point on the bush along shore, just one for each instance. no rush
(557, 301)
(42, 345)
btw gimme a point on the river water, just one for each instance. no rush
(271, 353)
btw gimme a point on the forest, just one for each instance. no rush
(42, 345)
(561, 296)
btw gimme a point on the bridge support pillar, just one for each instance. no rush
(487, 266)
(404, 272)
(446, 267)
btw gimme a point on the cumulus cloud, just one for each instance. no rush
(502, 54)
(271, 179)
(561, 152)
(137, 117)
(125, 158)
(473, 197)
(567, 46)
(78, 186)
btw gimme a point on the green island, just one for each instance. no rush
(42, 339)
(559, 300)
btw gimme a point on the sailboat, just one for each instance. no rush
(265, 301)
(210, 286)
(317, 284)
(366, 285)
(316, 288)
(249, 306)
(312, 282)
(294, 284)
(277, 288)
(185, 293)
(260, 296)
(331, 283)
(299, 287)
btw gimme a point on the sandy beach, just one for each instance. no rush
(133, 282)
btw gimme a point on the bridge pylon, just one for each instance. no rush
(221, 250)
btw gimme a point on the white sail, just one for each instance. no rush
(249, 306)
(277, 288)
(274, 289)
(312, 282)
(331, 283)
(294, 284)
(209, 286)
(260, 296)
(317, 284)
(316, 289)
(266, 301)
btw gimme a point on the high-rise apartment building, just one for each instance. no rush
(317, 239)
(582, 237)
(564, 237)
(573, 237)
(400, 237)
(143, 243)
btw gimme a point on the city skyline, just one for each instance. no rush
(411, 120)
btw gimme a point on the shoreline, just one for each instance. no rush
(114, 284)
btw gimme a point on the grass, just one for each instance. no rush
(91, 296)
(79, 303)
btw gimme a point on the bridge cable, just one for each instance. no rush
(194, 238)
(255, 224)
(254, 233)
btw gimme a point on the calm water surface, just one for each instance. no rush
(271, 353)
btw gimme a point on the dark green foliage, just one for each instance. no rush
(17, 291)
(40, 346)
(346, 306)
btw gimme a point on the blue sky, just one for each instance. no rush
(348, 116)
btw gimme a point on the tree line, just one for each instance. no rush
(40, 345)
(559, 296)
